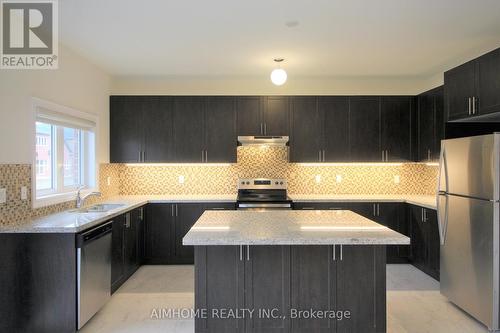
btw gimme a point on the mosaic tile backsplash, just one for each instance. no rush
(272, 162)
(269, 162)
(15, 210)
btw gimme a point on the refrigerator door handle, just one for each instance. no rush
(442, 212)
(442, 217)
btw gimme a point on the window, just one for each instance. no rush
(64, 153)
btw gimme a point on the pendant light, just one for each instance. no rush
(278, 75)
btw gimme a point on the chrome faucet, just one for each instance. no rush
(81, 200)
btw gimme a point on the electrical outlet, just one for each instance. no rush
(317, 178)
(24, 193)
(397, 179)
(181, 179)
(3, 195)
(338, 178)
(108, 181)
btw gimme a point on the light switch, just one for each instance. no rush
(181, 179)
(397, 179)
(317, 178)
(24, 193)
(3, 195)
(108, 180)
(338, 178)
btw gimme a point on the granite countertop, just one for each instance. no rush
(72, 221)
(427, 201)
(288, 227)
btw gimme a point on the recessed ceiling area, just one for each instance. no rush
(325, 38)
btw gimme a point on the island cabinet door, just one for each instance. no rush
(361, 288)
(312, 282)
(267, 285)
(219, 287)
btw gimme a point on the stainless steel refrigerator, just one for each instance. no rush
(468, 217)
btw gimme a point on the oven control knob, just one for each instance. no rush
(248, 183)
(281, 183)
(276, 183)
(242, 183)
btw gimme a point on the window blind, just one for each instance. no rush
(60, 119)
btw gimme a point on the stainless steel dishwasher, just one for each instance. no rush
(93, 260)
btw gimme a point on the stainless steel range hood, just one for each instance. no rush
(280, 141)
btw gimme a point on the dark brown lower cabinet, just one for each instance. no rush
(126, 246)
(38, 282)
(166, 226)
(285, 287)
(425, 243)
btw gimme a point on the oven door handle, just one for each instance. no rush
(264, 205)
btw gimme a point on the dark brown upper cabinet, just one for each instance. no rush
(260, 115)
(319, 129)
(430, 124)
(220, 129)
(472, 89)
(334, 115)
(396, 128)
(488, 81)
(364, 129)
(306, 130)
(126, 132)
(157, 125)
(249, 115)
(181, 129)
(189, 129)
(275, 117)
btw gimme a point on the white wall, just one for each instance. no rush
(77, 84)
(130, 85)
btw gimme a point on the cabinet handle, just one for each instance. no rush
(422, 217)
(378, 209)
(473, 104)
(307, 208)
(140, 156)
(425, 215)
(319, 158)
(469, 110)
(172, 210)
(248, 252)
(383, 156)
(374, 210)
(429, 154)
(265, 129)
(334, 254)
(323, 155)
(261, 129)
(144, 156)
(206, 156)
(202, 156)
(176, 210)
(127, 220)
(341, 253)
(217, 208)
(387, 155)
(241, 252)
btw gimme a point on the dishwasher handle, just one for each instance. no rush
(93, 234)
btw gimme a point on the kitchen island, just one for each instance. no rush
(290, 271)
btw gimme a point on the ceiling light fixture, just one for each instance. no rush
(278, 75)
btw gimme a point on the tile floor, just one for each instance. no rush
(414, 303)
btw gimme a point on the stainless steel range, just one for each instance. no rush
(263, 194)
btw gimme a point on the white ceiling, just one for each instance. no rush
(240, 38)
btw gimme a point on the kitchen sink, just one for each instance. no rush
(100, 208)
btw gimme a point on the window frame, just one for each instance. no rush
(63, 193)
